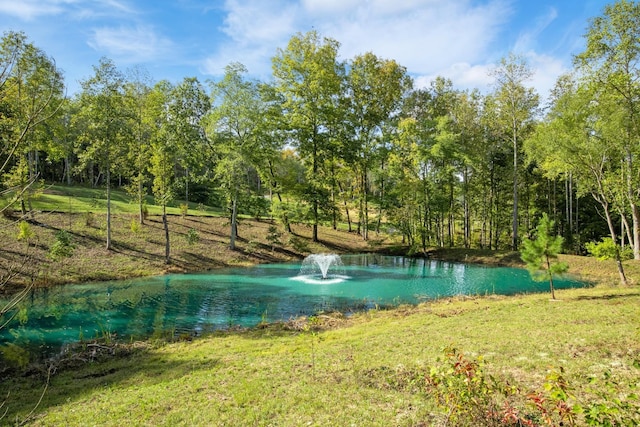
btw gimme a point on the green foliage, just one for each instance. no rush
(15, 355)
(279, 211)
(273, 236)
(541, 252)
(615, 405)
(468, 396)
(607, 249)
(192, 236)
(299, 245)
(63, 247)
(135, 226)
(24, 231)
(555, 404)
(89, 219)
(184, 209)
(462, 390)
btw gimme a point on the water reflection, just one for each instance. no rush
(197, 303)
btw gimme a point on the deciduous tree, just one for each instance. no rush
(310, 78)
(516, 107)
(105, 126)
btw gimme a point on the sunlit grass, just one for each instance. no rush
(75, 199)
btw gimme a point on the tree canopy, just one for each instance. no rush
(326, 139)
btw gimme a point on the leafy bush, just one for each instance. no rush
(468, 396)
(15, 355)
(606, 249)
(89, 219)
(24, 231)
(135, 226)
(273, 236)
(192, 236)
(299, 245)
(184, 209)
(63, 246)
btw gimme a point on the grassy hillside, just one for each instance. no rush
(139, 250)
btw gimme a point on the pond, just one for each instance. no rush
(192, 304)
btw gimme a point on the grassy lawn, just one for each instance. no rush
(60, 198)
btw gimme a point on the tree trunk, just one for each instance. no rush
(625, 230)
(314, 237)
(465, 203)
(365, 190)
(108, 208)
(514, 238)
(635, 213)
(612, 230)
(234, 223)
(346, 206)
(186, 185)
(553, 293)
(167, 245)
(140, 200)
(67, 167)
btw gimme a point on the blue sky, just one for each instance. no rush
(458, 39)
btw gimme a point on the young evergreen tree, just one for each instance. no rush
(541, 253)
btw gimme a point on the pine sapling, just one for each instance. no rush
(541, 253)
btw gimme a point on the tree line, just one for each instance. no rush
(352, 141)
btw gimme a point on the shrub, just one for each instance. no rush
(273, 236)
(63, 246)
(192, 236)
(299, 245)
(89, 219)
(135, 225)
(184, 209)
(24, 231)
(606, 249)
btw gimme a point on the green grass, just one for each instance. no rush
(366, 371)
(75, 199)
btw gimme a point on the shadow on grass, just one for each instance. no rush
(80, 376)
(607, 297)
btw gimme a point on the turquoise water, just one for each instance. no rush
(196, 303)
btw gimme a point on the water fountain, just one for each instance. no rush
(322, 268)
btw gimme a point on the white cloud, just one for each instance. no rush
(255, 29)
(256, 22)
(130, 44)
(547, 69)
(463, 75)
(28, 10)
(423, 35)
